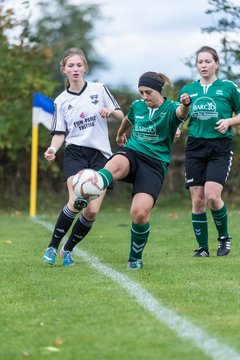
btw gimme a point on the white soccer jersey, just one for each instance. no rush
(77, 116)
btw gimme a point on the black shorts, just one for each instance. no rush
(146, 173)
(77, 158)
(207, 160)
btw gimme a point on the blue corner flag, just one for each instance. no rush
(43, 109)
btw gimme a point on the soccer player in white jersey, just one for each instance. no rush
(80, 121)
(215, 107)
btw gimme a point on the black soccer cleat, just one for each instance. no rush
(201, 252)
(80, 204)
(224, 245)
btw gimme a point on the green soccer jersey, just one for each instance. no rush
(211, 103)
(153, 129)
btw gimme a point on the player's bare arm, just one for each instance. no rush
(223, 124)
(56, 143)
(183, 110)
(113, 114)
(121, 137)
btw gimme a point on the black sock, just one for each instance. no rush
(79, 231)
(62, 226)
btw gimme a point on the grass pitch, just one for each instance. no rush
(79, 313)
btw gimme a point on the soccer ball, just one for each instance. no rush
(87, 184)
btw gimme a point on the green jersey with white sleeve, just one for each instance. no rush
(210, 103)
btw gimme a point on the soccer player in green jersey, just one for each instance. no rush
(143, 159)
(215, 107)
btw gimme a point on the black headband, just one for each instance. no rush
(150, 82)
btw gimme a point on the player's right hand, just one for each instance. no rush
(50, 154)
(121, 140)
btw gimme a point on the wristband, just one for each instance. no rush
(53, 149)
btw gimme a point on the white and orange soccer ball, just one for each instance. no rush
(87, 184)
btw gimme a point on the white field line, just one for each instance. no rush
(181, 326)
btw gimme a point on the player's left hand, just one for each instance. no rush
(178, 133)
(222, 125)
(105, 112)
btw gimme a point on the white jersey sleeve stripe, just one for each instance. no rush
(115, 103)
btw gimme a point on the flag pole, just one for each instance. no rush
(42, 113)
(34, 164)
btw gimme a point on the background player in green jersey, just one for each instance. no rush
(215, 107)
(143, 159)
(80, 119)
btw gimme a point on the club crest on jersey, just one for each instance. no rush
(94, 99)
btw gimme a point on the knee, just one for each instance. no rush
(90, 214)
(140, 216)
(213, 200)
(198, 204)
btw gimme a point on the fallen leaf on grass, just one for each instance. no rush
(25, 353)
(58, 342)
(51, 349)
(7, 242)
(173, 215)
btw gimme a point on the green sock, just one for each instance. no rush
(139, 237)
(106, 176)
(220, 218)
(200, 227)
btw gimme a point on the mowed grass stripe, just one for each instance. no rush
(177, 323)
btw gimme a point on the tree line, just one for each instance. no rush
(30, 54)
